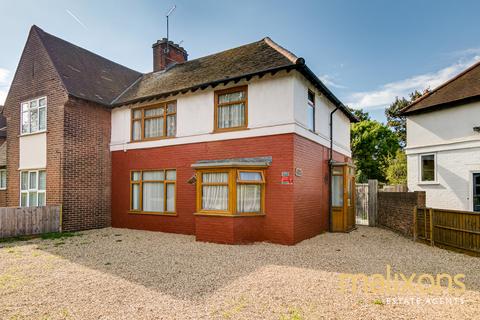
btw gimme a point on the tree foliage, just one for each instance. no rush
(398, 122)
(396, 172)
(360, 114)
(373, 144)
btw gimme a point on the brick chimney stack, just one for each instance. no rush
(167, 53)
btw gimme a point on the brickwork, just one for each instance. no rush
(395, 210)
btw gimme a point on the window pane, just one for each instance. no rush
(24, 180)
(33, 180)
(3, 179)
(154, 175)
(231, 116)
(136, 176)
(215, 177)
(33, 120)
(41, 102)
(250, 176)
(42, 180)
(311, 97)
(33, 104)
(154, 127)
(23, 199)
(153, 196)
(41, 199)
(171, 175)
(154, 112)
(172, 107)
(137, 114)
(32, 199)
(25, 122)
(249, 197)
(310, 117)
(215, 197)
(231, 97)
(171, 126)
(135, 197)
(137, 130)
(337, 191)
(42, 114)
(428, 168)
(170, 197)
(24, 107)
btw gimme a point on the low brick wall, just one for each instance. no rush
(395, 210)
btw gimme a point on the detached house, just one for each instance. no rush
(443, 143)
(233, 147)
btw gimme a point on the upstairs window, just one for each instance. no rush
(154, 122)
(231, 109)
(428, 167)
(311, 111)
(34, 116)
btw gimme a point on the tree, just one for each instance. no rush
(373, 143)
(398, 122)
(396, 172)
(360, 114)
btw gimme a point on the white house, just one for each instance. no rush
(443, 143)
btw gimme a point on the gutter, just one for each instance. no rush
(330, 168)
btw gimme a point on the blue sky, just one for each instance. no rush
(367, 52)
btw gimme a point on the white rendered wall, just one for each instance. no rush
(272, 104)
(448, 133)
(33, 151)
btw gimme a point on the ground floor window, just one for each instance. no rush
(3, 179)
(428, 167)
(230, 191)
(33, 185)
(153, 191)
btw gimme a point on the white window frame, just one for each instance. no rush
(3, 179)
(420, 170)
(311, 104)
(30, 117)
(28, 190)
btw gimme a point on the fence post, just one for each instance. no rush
(432, 242)
(372, 202)
(415, 223)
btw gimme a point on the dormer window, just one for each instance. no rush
(231, 109)
(34, 116)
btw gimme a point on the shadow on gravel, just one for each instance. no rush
(179, 266)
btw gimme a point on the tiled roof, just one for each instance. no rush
(460, 89)
(85, 74)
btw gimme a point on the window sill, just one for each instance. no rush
(229, 129)
(31, 133)
(151, 139)
(428, 183)
(231, 215)
(3, 189)
(172, 214)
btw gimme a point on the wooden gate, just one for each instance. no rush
(361, 198)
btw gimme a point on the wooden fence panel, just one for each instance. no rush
(361, 203)
(452, 228)
(29, 221)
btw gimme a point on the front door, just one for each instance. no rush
(476, 192)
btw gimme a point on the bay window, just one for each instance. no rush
(231, 109)
(33, 185)
(153, 191)
(230, 191)
(34, 116)
(154, 122)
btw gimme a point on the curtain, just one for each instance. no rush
(171, 126)
(231, 116)
(153, 196)
(170, 197)
(135, 197)
(215, 197)
(137, 130)
(249, 197)
(154, 127)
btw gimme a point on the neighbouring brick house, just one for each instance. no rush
(233, 147)
(3, 159)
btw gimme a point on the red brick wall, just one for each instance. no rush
(311, 190)
(277, 224)
(87, 166)
(3, 198)
(35, 77)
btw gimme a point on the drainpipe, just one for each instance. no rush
(330, 168)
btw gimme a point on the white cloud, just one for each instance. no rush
(385, 95)
(329, 81)
(4, 75)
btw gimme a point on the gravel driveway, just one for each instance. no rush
(128, 274)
